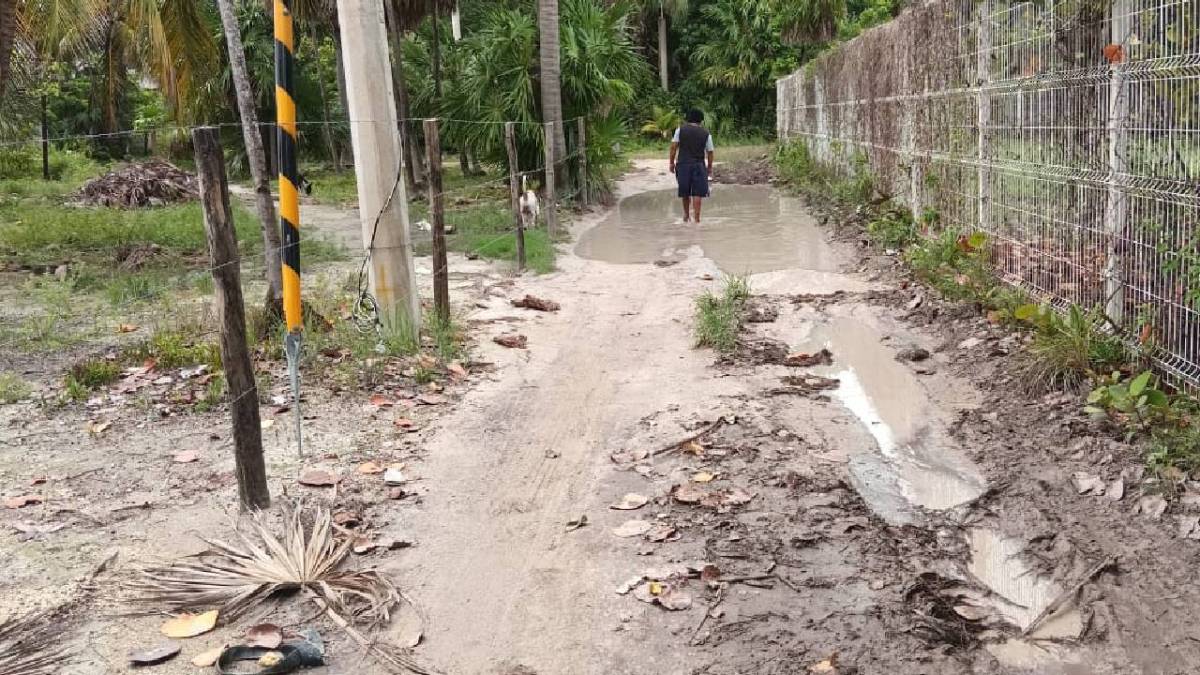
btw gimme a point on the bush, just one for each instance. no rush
(1068, 349)
(893, 228)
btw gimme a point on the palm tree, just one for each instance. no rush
(263, 202)
(8, 37)
(811, 20)
(549, 74)
(675, 10)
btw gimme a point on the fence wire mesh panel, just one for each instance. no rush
(1067, 130)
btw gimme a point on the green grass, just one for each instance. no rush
(719, 317)
(13, 388)
(21, 173)
(486, 230)
(1068, 350)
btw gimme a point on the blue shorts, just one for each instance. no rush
(692, 179)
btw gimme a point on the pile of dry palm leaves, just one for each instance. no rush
(32, 645)
(308, 557)
(151, 183)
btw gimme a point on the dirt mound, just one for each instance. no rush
(152, 183)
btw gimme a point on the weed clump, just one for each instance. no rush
(719, 317)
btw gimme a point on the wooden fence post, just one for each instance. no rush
(581, 148)
(550, 208)
(235, 356)
(514, 189)
(437, 214)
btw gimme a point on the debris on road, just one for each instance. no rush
(532, 302)
(512, 341)
(155, 655)
(630, 502)
(632, 528)
(576, 523)
(190, 625)
(802, 360)
(318, 478)
(150, 183)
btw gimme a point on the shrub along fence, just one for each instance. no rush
(1067, 130)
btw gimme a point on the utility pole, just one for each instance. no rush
(382, 202)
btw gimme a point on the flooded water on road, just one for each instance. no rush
(744, 229)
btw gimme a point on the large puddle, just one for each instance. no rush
(744, 229)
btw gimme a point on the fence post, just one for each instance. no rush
(1116, 209)
(983, 101)
(45, 141)
(551, 206)
(514, 189)
(437, 212)
(235, 356)
(581, 148)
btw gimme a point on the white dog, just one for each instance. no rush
(529, 205)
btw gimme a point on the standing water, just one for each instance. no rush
(743, 229)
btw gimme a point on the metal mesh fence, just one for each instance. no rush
(1067, 130)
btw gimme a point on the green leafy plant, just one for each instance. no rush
(893, 228)
(662, 123)
(1068, 348)
(1135, 401)
(13, 388)
(719, 317)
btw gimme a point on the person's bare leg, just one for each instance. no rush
(696, 207)
(686, 209)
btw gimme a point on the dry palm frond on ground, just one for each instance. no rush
(32, 645)
(233, 577)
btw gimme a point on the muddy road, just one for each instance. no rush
(611, 500)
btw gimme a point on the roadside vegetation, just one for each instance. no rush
(1073, 349)
(719, 316)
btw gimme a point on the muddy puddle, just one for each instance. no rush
(744, 229)
(917, 468)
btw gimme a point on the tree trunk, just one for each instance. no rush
(662, 50)
(341, 80)
(326, 130)
(8, 36)
(435, 46)
(551, 89)
(413, 176)
(263, 201)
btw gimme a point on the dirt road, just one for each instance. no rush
(888, 507)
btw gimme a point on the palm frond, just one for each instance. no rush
(32, 645)
(234, 576)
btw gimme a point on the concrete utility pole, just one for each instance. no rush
(377, 163)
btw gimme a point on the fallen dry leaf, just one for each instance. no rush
(661, 532)
(801, 360)
(404, 423)
(22, 501)
(127, 327)
(632, 528)
(1086, 483)
(156, 654)
(630, 584)
(710, 573)
(190, 625)
(186, 457)
(98, 427)
(630, 502)
(533, 302)
(381, 401)
(576, 523)
(829, 665)
(457, 370)
(703, 477)
(694, 448)
(370, 468)
(431, 399)
(318, 478)
(674, 599)
(1114, 53)
(397, 493)
(363, 545)
(736, 497)
(512, 341)
(689, 493)
(347, 519)
(208, 658)
(265, 635)
(32, 528)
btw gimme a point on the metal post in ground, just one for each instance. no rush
(550, 208)
(231, 312)
(514, 189)
(437, 214)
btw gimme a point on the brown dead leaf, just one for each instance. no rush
(512, 341)
(98, 427)
(457, 370)
(710, 573)
(431, 399)
(186, 457)
(694, 448)
(318, 478)
(397, 493)
(736, 497)
(190, 625)
(381, 401)
(630, 502)
(347, 519)
(32, 528)
(156, 654)
(674, 599)
(22, 501)
(801, 360)
(533, 302)
(1114, 53)
(661, 532)
(404, 423)
(127, 327)
(370, 468)
(363, 545)
(689, 493)
(207, 659)
(703, 477)
(265, 635)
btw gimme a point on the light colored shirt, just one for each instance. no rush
(708, 146)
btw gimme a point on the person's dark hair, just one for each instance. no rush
(694, 116)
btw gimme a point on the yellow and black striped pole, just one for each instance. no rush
(289, 194)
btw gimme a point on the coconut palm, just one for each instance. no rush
(666, 9)
(811, 20)
(263, 201)
(548, 57)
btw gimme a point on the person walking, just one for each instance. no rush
(692, 161)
